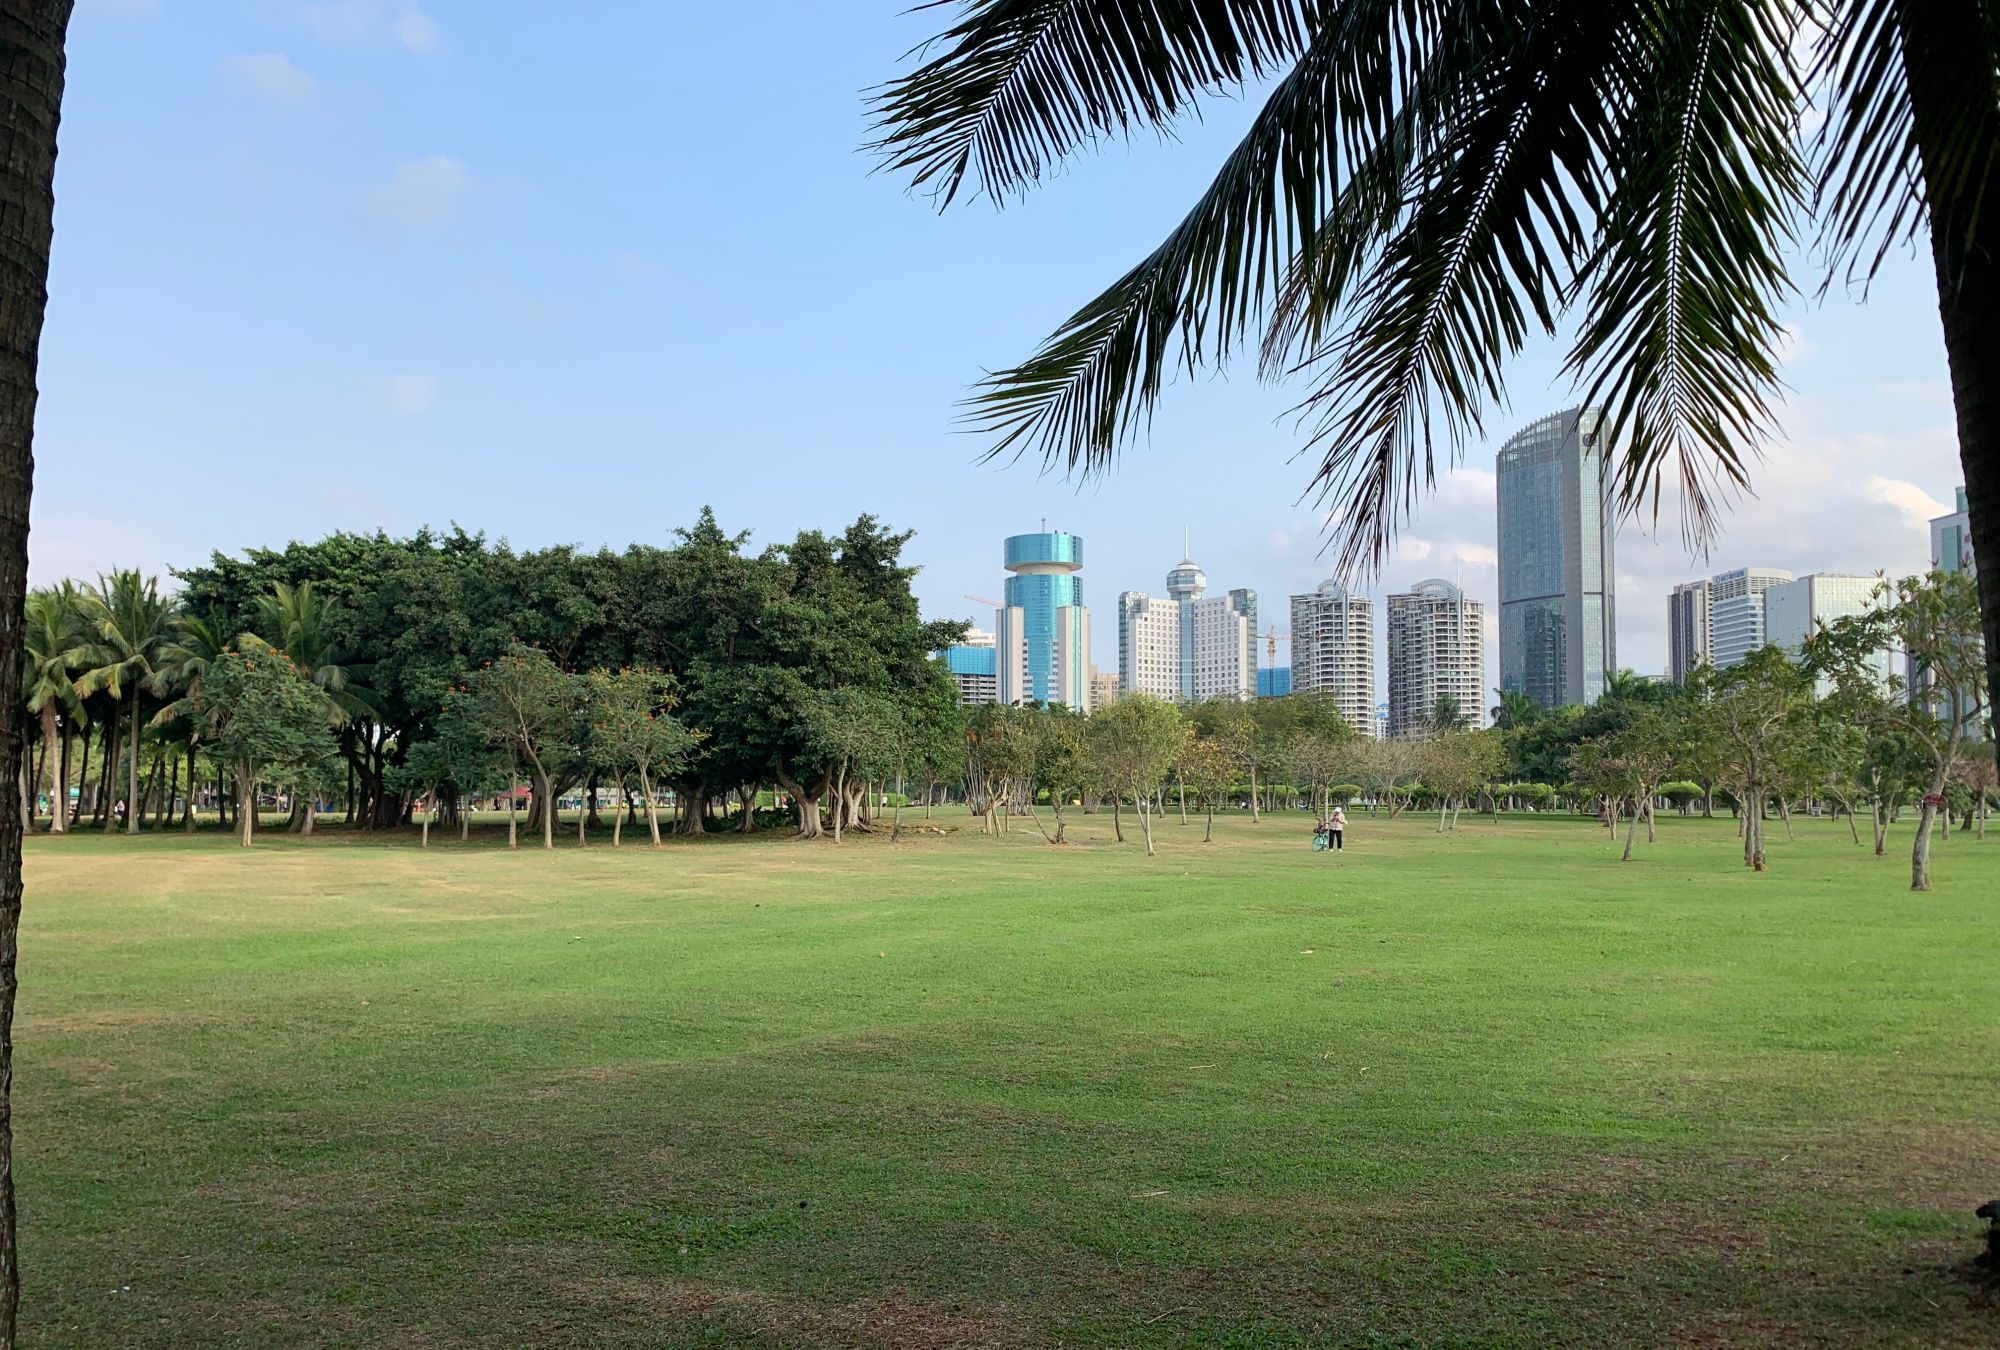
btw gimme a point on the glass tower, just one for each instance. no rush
(1558, 638)
(1046, 594)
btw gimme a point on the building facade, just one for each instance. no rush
(1042, 633)
(1795, 610)
(1736, 612)
(1186, 647)
(1437, 649)
(1276, 682)
(1558, 610)
(1103, 688)
(974, 668)
(1951, 539)
(1690, 630)
(1333, 651)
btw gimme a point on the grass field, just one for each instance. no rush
(1486, 1088)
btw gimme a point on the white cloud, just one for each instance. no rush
(411, 393)
(1919, 508)
(424, 192)
(366, 23)
(1470, 487)
(417, 31)
(273, 75)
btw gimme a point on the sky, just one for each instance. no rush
(374, 264)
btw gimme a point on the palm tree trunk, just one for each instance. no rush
(1948, 61)
(107, 814)
(132, 773)
(59, 805)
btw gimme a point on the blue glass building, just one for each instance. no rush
(1274, 681)
(1043, 632)
(1558, 635)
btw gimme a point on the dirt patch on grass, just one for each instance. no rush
(99, 1023)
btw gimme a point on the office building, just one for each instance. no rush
(1690, 630)
(1187, 647)
(1437, 650)
(1042, 633)
(1558, 619)
(973, 668)
(1276, 682)
(1736, 612)
(1795, 610)
(1951, 539)
(1333, 651)
(1103, 688)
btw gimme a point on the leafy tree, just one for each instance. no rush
(1391, 769)
(852, 731)
(1133, 744)
(1756, 714)
(633, 732)
(1935, 620)
(268, 722)
(1457, 765)
(523, 706)
(1447, 717)
(1211, 769)
(1514, 710)
(1426, 185)
(1059, 761)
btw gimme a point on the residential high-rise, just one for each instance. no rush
(1690, 630)
(1042, 633)
(1558, 620)
(1795, 610)
(1437, 649)
(1736, 612)
(1103, 688)
(1185, 647)
(1951, 538)
(1333, 651)
(973, 668)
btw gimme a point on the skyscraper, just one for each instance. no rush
(1690, 630)
(1736, 612)
(1795, 610)
(1951, 538)
(1333, 651)
(1437, 649)
(1186, 647)
(1558, 621)
(1042, 633)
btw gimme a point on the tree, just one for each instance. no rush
(267, 721)
(197, 639)
(1133, 743)
(1630, 765)
(524, 707)
(1458, 764)
(126, 632)
(54, 631)
(1515, 709)
(1447, 717)
(1390, 770)
(1428, 184)
(1211, 768)
(633, 731)
(1934, 620)
(1059, 762)
(1756, 713)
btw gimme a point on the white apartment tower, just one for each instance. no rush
(1184, 647)
(1795, 610)
(1437, 649)
(1333, 651)
(1736, 612)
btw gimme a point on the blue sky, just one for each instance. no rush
(368, 263)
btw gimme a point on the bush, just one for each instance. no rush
(1681, 794)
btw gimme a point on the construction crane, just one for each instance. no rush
(982, 600)
(1271, 636)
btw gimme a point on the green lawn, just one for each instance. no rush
(1482, 1088)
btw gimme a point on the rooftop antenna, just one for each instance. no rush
(1045, 524)
(1187, 544)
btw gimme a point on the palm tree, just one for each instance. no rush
(54, 628)
(1515, 709)
(1447, 717)
(197, 639)
(1431, 182)
(126, 629)
(305, 625)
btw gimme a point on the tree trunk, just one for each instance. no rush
(133, 806)
(618, 816)
(1631, 833)
(1785, 814)
(1146, 824)
(545, 803)
(839, 802)
(1948, 61)
(513, 808)
(1118, 819)
(1180, 786)
(1652, 834)
(652, 809)
(430, 804)
(173, 791)
(59, 791)
(748, 825)
(1920, 850)
(107, 811)
(1208, 835)
(1253, 795)
(582, 822)
(246, 790)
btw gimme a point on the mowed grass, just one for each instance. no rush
(1482, 1088)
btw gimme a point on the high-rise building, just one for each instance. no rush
(1690, 630)
(1558, 620)
(1103, 688)
(1185, 647)
(1276, 682)
(1795, 610)
(1437, 650)
(1042, 633)
(1951, 538)
(1736, 612)
(973, 668)
(1333, 651)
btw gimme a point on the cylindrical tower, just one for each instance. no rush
(1048, 596)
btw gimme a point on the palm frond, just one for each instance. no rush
(1019, 84)
(1680, 335)
(1865, 166)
